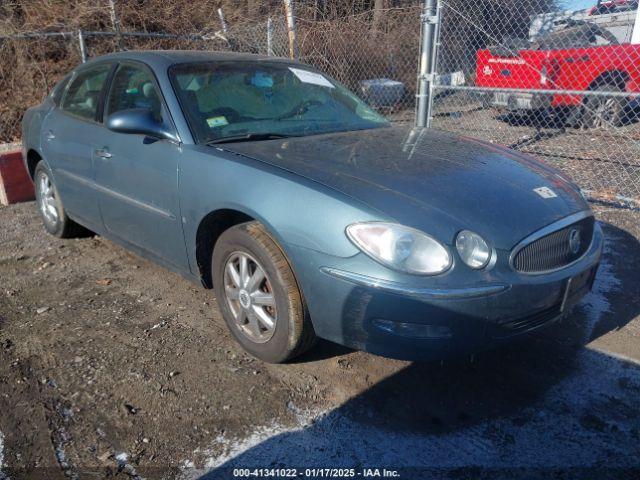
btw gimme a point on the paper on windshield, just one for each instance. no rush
(306, 76)
(217, 122)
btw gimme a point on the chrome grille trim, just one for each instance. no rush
(546, 231)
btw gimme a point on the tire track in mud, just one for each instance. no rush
(31, 439)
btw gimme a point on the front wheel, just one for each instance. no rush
(54, 217)
(258, 295)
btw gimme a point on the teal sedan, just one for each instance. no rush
(306, 212)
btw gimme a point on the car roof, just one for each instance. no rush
(166, 58)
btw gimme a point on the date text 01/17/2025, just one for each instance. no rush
(315, 473)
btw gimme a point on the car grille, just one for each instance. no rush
(555, 250)
(528, 323)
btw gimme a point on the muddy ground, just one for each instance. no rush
(112, 366)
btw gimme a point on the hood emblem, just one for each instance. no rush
(545, 192)
(574, 241)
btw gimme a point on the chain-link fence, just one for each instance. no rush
(544, 79)
(31, 63)
(375, 58)
(535, 75)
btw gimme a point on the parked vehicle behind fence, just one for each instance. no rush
(578, 54)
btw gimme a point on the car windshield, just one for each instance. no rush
(251, 100)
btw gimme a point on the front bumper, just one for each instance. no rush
(422, 321)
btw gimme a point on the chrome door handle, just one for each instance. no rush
(103, 153)
(49, 135)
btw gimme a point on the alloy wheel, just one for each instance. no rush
(47, 199)
(606, 113)
(250, 297)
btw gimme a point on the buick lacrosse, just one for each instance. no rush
(306, 211)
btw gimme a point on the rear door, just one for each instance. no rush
(137, 177)
(68, 133)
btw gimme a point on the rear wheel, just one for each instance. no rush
(52, 212)
(603, 112)
(259, 296)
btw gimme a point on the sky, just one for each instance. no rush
(578, 4)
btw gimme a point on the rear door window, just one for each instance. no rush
(83, 95)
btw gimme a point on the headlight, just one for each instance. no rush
(400, 248)
(473, 250)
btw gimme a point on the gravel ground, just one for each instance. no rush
(110, 365)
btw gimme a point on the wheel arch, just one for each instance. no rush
(32, 160)
(619, 78)
(214, 224)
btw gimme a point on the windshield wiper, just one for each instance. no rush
(247, 137)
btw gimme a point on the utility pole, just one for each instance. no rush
(291, 27)
(426, 74)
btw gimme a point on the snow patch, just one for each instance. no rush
(335, 439)
(596, 304)
(232, 447)
(2, 475)
(122, 457)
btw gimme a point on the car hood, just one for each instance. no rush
(428, 179)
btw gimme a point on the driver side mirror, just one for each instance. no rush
(139, 121)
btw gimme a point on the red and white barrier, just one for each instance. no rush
(15, 183)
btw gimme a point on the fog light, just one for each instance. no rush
(414, 330)
(473, 250)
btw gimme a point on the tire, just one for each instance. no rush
(267, 317)
(569, 117)
(55, 219)
(601, 112)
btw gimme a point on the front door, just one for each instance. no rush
(137, 177)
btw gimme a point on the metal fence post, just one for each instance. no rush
(434, 61)
(429, 20)
(270, 37)
(83, 47)
(223, 22)
(225, 29)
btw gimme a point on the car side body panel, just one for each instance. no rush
(279, 199)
